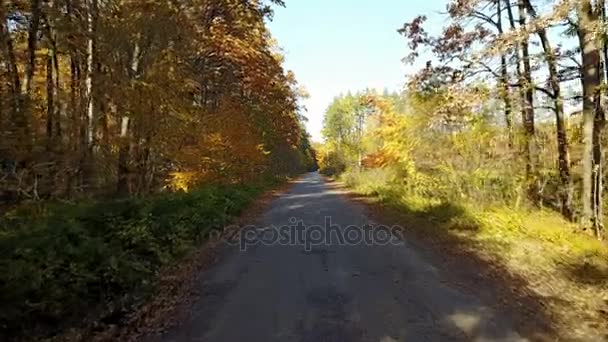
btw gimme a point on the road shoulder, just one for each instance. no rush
(465, 270)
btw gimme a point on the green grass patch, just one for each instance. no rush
(62, 264)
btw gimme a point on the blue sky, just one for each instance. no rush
(335, 46)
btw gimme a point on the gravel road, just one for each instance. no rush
(332, 292)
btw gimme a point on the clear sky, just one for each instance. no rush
(335, 46)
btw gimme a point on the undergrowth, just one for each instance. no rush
(64, 265)
(557, 258)
(484, 221)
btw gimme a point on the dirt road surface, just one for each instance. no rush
(337, 291)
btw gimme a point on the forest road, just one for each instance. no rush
(335, 291)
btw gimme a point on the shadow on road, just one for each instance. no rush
(439, 232)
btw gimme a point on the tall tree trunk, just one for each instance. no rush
(504, 81)
(20, 125)
(528, 118)
(53, 128)
(124, 152)
(90, 73)
(50, 97)
(593, 117)
(32, 41)
(527, 109)
(91, 13)
(602, 6)
(75, 132)
(3, 97)
(59, 110)
(566, 192)
(76, 119)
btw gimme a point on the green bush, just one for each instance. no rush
(61, 263)
(332, 165)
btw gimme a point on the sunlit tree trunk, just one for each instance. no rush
(593, 117)
(90, 72)
(504, 80)
(526, 95)
(565, 193)
(528, 118)
(602, 7)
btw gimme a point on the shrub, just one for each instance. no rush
(332, 165)
(62, 262)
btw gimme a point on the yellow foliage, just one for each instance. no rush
(182, 181)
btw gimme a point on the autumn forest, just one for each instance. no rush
(131, 130)
(497, 142)
(130, 103)
(119, 96)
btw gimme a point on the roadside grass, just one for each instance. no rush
(66, 266)
(559, 263)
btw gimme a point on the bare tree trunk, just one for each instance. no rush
(526, 104)
(53, 129)
(598, 170)
(50, 97)
(602, 6)
(75, 135)
(59, 110)
(74, 80)
(566, 192)
(528, 119)
(504, 81)
(32, 41)
(91, 12)
(125, 141)
(593, 118)
(90, 73)
(75, 85)
(599, 124)
(3, 126)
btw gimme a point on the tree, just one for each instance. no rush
(566, 192)
(344, 124)
(526, 83)
(593, 114)
(119, 96)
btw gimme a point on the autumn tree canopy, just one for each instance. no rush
(524, 81)
(131, 97)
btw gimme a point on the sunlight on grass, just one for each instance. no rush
(556, 258)
(551, 238)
